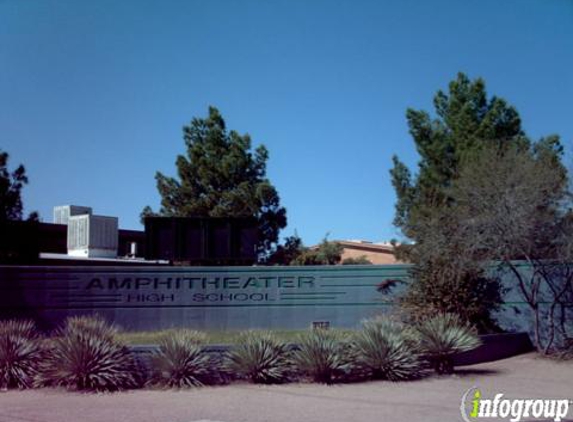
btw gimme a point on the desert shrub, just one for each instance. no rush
(444, 335)
(360, 260)
(21, 352)
(87, 355)
(385, 349)
(327, 253)
(443, 285)
(94, 325)
(324, 355)
(260, 357)
(21, 327)
(181, 361)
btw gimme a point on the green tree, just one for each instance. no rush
(360, 260)
(220, 176)
(327, 253)
(448, 276)
(11, 185)
(484, 192)
(286, 253)
(465, 121)
(516, 207)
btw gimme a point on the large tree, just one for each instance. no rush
(448, 275)
(483, 193)
(515, 207)
(221, 176)
(465, 120)
(11, 184)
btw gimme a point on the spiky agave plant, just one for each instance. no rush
(21, 352)
(324, 355)
(87, 355)
(385, 349)
(444, 335)
(260, 357)
(91, 324)
(21, 327)
(181, 361)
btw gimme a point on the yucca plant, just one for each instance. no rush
(324, 355)
(21, 327)
(444, 335)
(86, 355)
(92, 324)
(385, 349)
(260, 357)
(21, 352)
(181, 361)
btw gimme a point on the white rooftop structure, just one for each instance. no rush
(92, 236)
(62, 213)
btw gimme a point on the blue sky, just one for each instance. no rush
(93, 95)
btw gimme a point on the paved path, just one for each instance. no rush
(429, 400)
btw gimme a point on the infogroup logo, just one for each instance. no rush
(475, 407)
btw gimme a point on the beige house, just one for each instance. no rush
(377, 253)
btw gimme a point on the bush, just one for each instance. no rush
(86, 355)
(181, 361)
(327, 253)
(443, 336)
(93, 325)
(441, 285)
(324, 355)
(360, 260)
(385, 349)
(21, 327)
(21, 352)
(260, 357)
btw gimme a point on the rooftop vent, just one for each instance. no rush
(92, 236)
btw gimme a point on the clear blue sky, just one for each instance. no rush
(93, 94)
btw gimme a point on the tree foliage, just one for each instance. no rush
(449, 268)
(327, 253)
(221, 176)
(485, 193)
(465, 121)
(513, 203)
(293, 252)
(456, 284)
(287, 252)
(360, 260)
(11, 185)
(516, 207)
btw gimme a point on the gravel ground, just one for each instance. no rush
(433, 399)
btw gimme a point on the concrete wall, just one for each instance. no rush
(214, 298)
(210, 297)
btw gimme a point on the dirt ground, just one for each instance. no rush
(434, 399)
